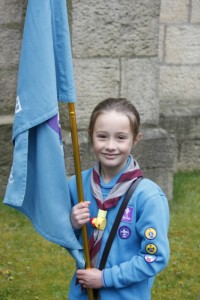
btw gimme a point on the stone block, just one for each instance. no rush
(115, 28)
(87, 157)
(8, 84)
(161, 46)
(179, 88)
(182, 126)
(156, 148)
(6, 154)
(155, 154)
(189, 155)
(9, 47)
(96, 79)
(195, 14)
(163, 177)
(139, 80)
(174, 11)
(6, 120)
(182, 44)
(186, 129)
(11, 11)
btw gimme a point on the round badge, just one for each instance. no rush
(149, 258)
(150, 233)
(124, 232)
(151, 248)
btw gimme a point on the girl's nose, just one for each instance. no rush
(110, 145)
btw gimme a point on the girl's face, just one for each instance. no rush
(112, 142)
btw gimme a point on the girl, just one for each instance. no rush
(140, 248)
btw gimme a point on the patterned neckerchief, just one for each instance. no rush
(130, 174)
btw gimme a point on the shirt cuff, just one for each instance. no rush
(103, 279)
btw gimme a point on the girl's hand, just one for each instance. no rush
(90, 278)
(80, 214)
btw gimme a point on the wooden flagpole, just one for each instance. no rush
(77, 165)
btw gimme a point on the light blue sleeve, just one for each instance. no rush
(153, 255)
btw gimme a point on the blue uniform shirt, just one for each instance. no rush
(140, 248)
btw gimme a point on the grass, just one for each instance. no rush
(32, 268)
(181, 279)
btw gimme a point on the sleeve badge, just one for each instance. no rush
(149, 258)
(151, 248)
(150, 233)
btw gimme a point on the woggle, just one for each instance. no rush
(100, 221)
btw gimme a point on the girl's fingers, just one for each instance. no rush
(80, 214)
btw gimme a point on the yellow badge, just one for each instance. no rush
(151, 248)
(150, 233)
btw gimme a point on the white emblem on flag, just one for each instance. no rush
(11, 178)
(18, 107)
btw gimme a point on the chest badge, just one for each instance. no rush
(124, 232)
(128, 215)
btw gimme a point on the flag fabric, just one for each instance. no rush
(37, 185)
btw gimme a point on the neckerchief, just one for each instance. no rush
(130, 174)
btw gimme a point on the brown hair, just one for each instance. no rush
(121, 105)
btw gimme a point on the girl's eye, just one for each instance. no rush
(101, 136)
(121, 137)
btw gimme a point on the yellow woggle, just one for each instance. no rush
(100, 221)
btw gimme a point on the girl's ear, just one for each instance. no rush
(137, 139)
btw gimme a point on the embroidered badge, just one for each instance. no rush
(149, 258)
(18, 107)
(151, 248)
(124, 232)
(128, 215)
(150, 233)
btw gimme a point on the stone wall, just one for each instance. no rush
(179, 85)
(115, 50)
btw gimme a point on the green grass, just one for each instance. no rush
(33, 269)
(30, 267)
(181, 278)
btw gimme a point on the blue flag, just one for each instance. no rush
(37, 185)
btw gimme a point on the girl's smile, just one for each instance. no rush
(112, 142)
